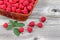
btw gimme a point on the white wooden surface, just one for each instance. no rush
(51, 30)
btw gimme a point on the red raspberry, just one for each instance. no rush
(25, 3)
(21, 1)
(11, 1)
(25, 11)
(29, 29)
(14, 1)
(33, 1)
(43, 19)
(8, 9)
(32, 24)
(5, 25)
(13, 9)
(1, 2)
(16, 5)
(21, 6)
(21, 29)
(31, 4)
(4, 7)
(18, 10)
(29, 7)
(30, 0)
(40, 25)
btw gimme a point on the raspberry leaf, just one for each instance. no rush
(16, 32)
(20, 24)
(9, 27)
(13, 23)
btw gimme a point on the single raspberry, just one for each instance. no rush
(16, 5)
(40, 25)
(25, 3)
(5, 25)
(18, 10)
(32, 24)
(31, 4)
(21, 1)
(11, 1)
(13, 9)
(14, 1)
(1, 2)
(25, 11)
(43, 19)
(30, 8)
(4, 7)
(30, 0)
(8, 9)
(33, 1)
(21, 6)
(29, 29)
(21, 29)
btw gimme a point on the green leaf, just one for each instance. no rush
(9, 27)
(20, 24)
(13, 23)
(16, 32)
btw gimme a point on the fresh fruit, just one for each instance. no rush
(25, 11)
(31, 4)
(29, 29)
(40, 25)
(11, 1)
(3, 7)
(30, 8)
(5, 25)
(43, 19)
(8, 9)
(13, 9)
(21, 29)
(18, 10)
(1, 2)
(32, 24)
(25, 3)
(16, 5)
(21, 1)
(21, 6)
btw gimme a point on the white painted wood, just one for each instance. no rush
(51, 30)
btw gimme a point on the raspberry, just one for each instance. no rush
(30, 0)
(33, 1)
(4, 7)
(1, 2)
(21, 1)
(31, 4)
(25, 3)
(11, 1)
(5, 25)
(32, 24)
(18, 10)
(43, 19)
(29, 29)
(13, 9)
(40, 25)
(25, 11)
(16, 5)
(21, 6)
(14, 1)
(8, 9)
(21, 29)
(29, 8)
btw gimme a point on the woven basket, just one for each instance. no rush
(17, 16)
